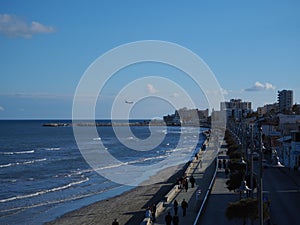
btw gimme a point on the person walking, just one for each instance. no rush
(153, 210)
(175, 205)
(226, 172)
(184, 206)
(220, 164)
(192, 180)
(186, 184)
(175, 220)
(149, 213)
(168, 219)
(115, 222)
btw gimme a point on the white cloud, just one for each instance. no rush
(1, 108)
(175, 95)
(151, 89)
(269, 86)
(258, 86)
(13, 26)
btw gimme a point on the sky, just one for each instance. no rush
(252, 48)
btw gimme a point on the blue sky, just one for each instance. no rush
(252, 47)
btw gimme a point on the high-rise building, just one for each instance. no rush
(285, 100)
(236, 108)
(236, 104)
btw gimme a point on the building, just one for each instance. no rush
(295, 149)
(296, 109)
(291, 149)
(288, 123)
(285, 100)
(268, 108)
(236, 108)
(186, 116)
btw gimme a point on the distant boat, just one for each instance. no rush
(128, 102)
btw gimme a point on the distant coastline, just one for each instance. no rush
(108, 123)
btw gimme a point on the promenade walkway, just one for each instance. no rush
(203, 171)
(218, 201)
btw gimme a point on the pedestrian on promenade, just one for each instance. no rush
(220, 164)
(186, 184)
(168, 219)
(180, 182)
(192, 180)
(153, 211)
(175, 205)
(115, 222)
(175, 220)
(226, 172)
(224, 163)
(148, 213)
(184, 206)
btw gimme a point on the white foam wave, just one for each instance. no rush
(97, 139)
(5, 165)
(56, 201)
(44, 191)
(22, 163)
(20, 152)
(131, 162)
(52, 149)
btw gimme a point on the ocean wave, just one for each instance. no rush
(44, 191)
(5, 165)
(57, 201)
(97, 139)
(20, 152)
(52, 149)
(164, 131)
(22, 163)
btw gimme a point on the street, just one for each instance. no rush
(282, 188)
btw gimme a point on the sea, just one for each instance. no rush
(44, 175)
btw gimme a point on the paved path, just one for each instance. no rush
(203, 179)
(203, 172)
(217, 202)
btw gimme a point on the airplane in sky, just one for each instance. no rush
(128, 102)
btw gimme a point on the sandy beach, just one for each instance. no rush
(129, 207)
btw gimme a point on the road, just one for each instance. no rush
(282, 188)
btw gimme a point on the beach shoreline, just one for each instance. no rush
(128, 207)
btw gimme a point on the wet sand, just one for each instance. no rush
(129, 207)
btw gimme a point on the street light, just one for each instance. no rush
(242, 161)
(260, 183)
(244, 188)
(251, 149)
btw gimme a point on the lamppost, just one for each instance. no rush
(244, 189)
(260, 183)
(251, 161)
